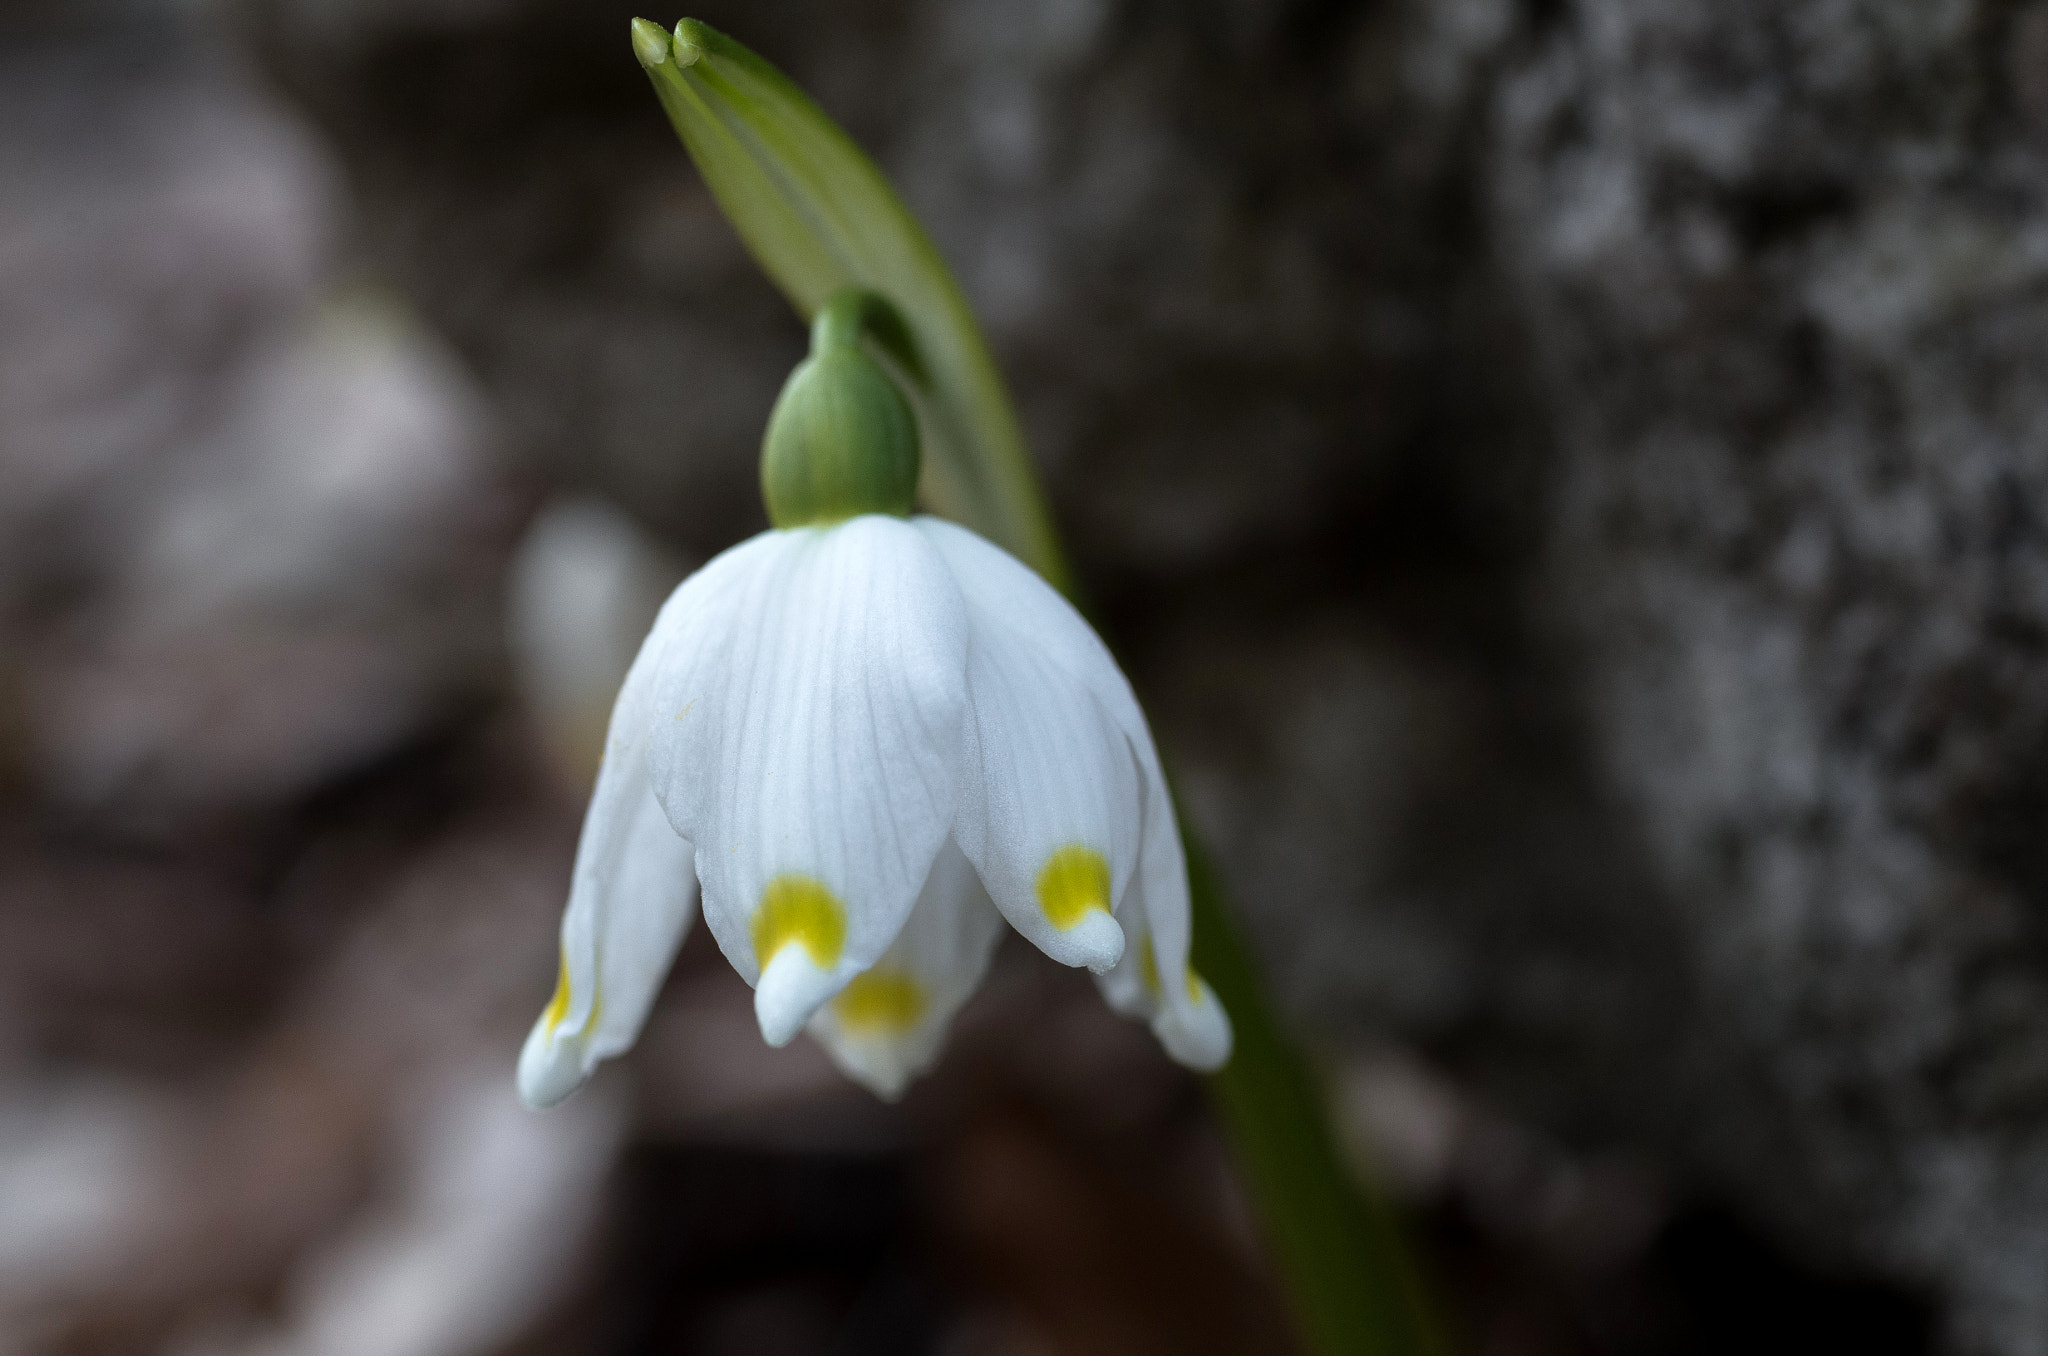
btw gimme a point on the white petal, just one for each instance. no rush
(806, 740)
(1154, 910)
(633, 892)
(1050, 809)
(1184, 1011)
(628, 913)
(1155, 980)
(792, 987)
(1196, 1032)
(889, 1024)
(1004, 588)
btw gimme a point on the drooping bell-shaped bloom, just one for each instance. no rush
(864, 741)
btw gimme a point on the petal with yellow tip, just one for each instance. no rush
(1151, 894)
(809, 745)
(633, 889)
(1049, 803)
(888, 1025)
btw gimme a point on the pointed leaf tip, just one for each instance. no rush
(689, 41)
(650, 42)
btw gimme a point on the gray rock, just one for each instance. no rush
(249, 533)
(1786, 265)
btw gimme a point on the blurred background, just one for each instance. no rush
(1568, 477)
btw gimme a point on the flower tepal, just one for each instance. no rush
(866, 739)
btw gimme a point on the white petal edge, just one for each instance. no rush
(625, 921)
(1154, 910)
(1049, 800)
(890, 1025)
(633, 889)
(811, 734)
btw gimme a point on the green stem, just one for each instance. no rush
(1337, 1246)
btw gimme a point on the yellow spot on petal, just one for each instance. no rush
(558, 1006)
(880, 1002)
(799, 909)
(1148, 971)
(1073, 882)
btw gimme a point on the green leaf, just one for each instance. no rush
(818, 215)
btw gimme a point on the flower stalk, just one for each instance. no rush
(1338, 1246)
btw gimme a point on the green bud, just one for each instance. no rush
(650, 43)
(686, 47)
(842, 440)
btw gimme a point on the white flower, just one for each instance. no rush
(866, 744)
